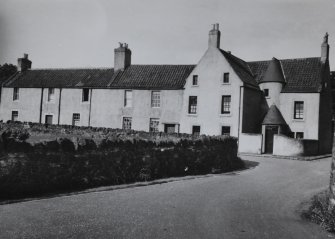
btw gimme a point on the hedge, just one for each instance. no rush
(39, 159)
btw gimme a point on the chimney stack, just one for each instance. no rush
(122, 57)
(24, 63)
(214, 36)
(325, 49)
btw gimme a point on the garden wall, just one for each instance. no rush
(250, 143)
(285, 146)
(38, 159)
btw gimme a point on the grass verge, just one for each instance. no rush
(318, 212)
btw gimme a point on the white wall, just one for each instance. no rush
(310, 124)
(209, 91)
(274, 92)
(108, 108)
(250, 143)
(28, 104)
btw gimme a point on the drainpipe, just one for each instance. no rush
(41, 105)
(89, 111)
(239, 113)
(59, 104)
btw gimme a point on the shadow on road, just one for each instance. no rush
(248, 165)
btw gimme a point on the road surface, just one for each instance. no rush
(257, 203)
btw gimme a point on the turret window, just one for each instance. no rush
(266, 92)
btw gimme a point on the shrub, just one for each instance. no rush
(72, 158)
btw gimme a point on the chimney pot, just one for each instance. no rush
(214, 36)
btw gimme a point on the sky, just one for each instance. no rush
(84, 33)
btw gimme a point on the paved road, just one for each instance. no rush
(256, 203)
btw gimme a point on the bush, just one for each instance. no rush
(72, 158)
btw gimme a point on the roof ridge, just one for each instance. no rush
(302, 58)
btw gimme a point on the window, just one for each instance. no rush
(126, 124)
(169, 128)
(226, 78)
(195, 80)
(75, 119)
(156, 99)
(298, 109)
(85, 95)
(192, 104)
(266, 92)
(128, 98)
(225, 105)
(15, 115)
(196, 130)
(225, 130)
(51, 94)
(16, 93)
(299, 135)
(48, 119)
(153, 125)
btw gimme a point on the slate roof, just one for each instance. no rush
(134, 77)
(241, 68)
(301, 75)
(273, 116)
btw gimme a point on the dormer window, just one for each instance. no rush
(266, 92)
(226, 78)
(195, 80)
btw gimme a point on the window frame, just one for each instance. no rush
(130, 121)
(155, 101)
(51, 94)
(152, 127)
(298, 114)
(195, 80)
(227, 127)
(300, 134)
(128, 101)
(228, 105)
(192, 107)
(16, 93)
(196, 133)
(17, 115)
(226, 78)
(85, 97)
(75, 119)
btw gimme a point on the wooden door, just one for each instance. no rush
(270, 131)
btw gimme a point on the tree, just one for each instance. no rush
(7, 70)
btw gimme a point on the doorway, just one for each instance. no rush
(270, 131)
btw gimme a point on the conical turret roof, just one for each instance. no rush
(273, 116)
(274, 72)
